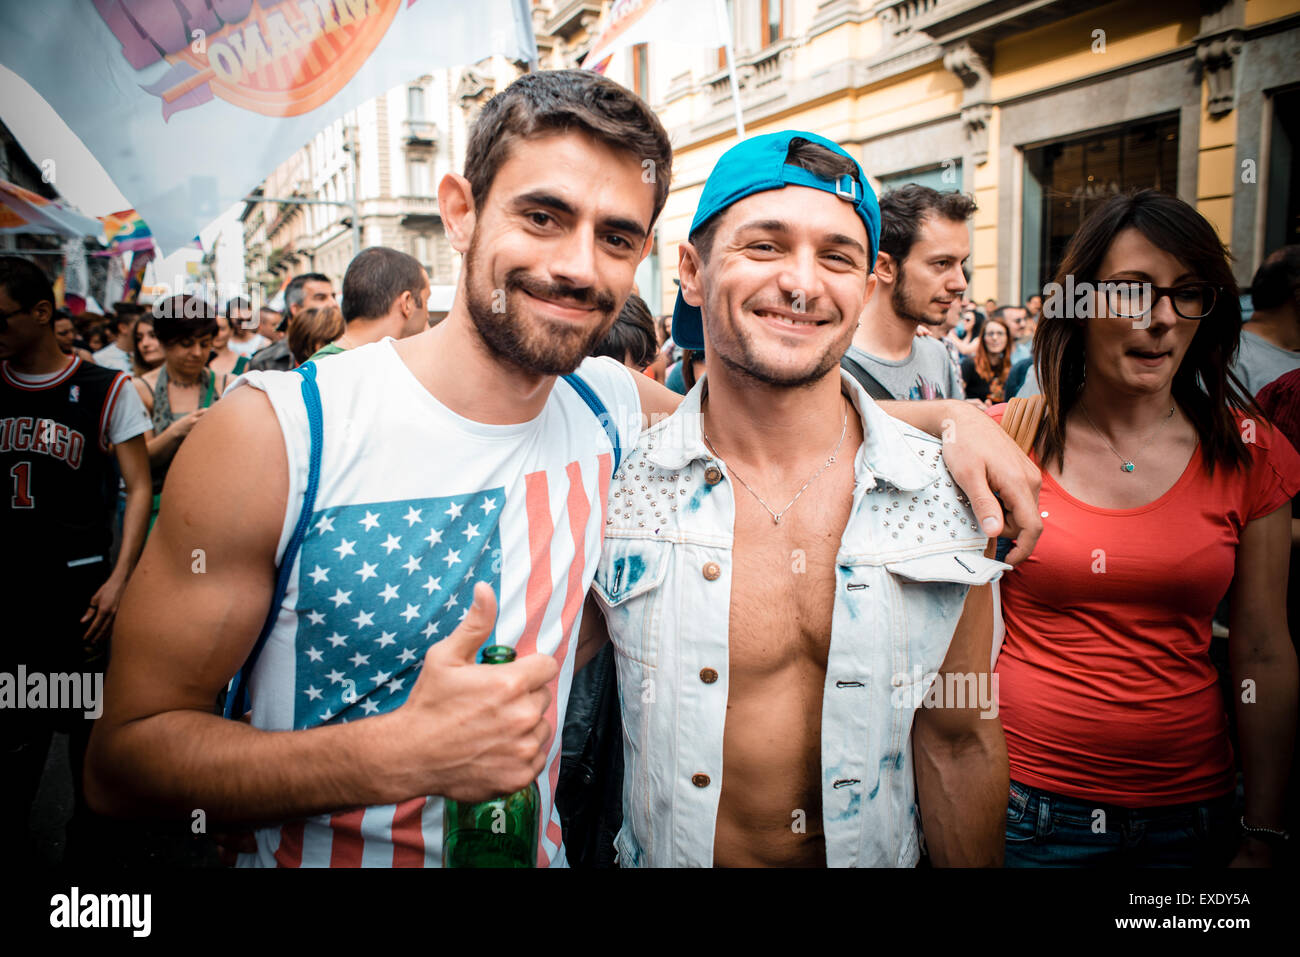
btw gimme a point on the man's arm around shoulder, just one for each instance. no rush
(190, 617)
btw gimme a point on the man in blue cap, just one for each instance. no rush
(786, 567)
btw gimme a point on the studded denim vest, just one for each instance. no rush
(909, 552)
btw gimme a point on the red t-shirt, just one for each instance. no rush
(1106, 690)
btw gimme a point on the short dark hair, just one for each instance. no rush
(903, 209)
(293, 294)
(1277, 279)
(560, 101)
(126, 314)
(239, 302)
(632, 334)
(1000, 313)
(183, 317)
(375, 278)
(25, 282)
(803, 153)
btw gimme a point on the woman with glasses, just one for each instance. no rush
(984, 374)
(1163, 486)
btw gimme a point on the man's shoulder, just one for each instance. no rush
(605, 374)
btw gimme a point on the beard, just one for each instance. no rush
(738, 352)
(533, 345)
(905, 305)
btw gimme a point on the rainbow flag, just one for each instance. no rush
(135, 276)
(126, 232)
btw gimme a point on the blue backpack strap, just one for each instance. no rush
(602, 414)
(237, 702)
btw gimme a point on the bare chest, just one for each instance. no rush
(783, 576)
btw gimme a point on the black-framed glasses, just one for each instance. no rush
(1130, 299)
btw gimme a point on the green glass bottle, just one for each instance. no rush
(501, 832)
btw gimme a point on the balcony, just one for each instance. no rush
(754, 71)
(420, 133)
(572, 16)
(983, 21)
(418, 211)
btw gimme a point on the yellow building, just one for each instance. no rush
(1039, 109)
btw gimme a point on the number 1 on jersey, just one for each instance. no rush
(22, 475)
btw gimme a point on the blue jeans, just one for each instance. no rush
(1051, 830)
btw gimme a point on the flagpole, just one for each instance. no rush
(727, 34)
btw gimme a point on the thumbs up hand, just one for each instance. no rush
(476, 731)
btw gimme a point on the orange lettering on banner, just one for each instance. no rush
(290, 60)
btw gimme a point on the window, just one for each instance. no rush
(417, 172)
(773, 22)
(415, 102)
(1066, 181)
(641, 71)
(945, 178)
(420, 250)
(1282, 222)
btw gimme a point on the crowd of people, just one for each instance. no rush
(791, 546)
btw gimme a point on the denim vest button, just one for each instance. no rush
(711, 571)
(713, 475)
(708, 675)
(700, 780)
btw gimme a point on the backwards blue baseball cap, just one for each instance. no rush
(755, 166)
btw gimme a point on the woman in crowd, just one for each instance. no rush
(1162, 486)
(148, 353)
(95, 338)
(313, 329)
(225, 361)
(181, 388)
(985, 373)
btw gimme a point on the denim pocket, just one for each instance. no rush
(627, 585)
(1017, 803)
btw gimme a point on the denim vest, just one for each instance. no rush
(909, 552)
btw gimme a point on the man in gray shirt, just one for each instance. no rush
(1270, 342)
(923, 242)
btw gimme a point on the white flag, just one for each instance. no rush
(190, 105)
(696, 23)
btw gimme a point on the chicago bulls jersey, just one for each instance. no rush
(56, 464)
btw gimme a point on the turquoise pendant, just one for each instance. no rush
(1128, 466)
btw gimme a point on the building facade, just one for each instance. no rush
(380, 162)
(1038, 109)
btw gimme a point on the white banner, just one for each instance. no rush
(75, 276)
(189, 105)
(697, 23)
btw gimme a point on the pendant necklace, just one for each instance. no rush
(776, 516)
(1126, 465)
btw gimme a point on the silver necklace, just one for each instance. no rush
(1126, 465)
(776, 516)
